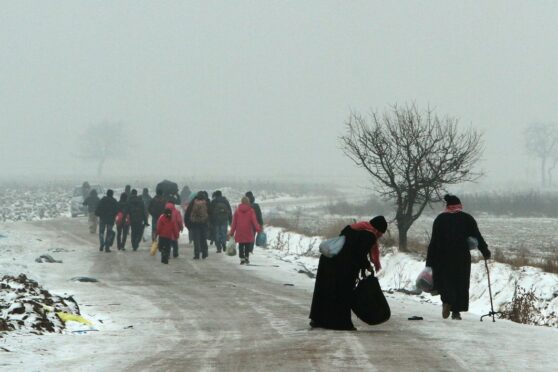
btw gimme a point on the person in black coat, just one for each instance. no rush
(336, 276)
(449, 256)
(138, 218)
(122, 222)
(106, 211)
(92, 201)
(257, 210)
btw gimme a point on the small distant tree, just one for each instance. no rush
(541, 141)
(101, 142)
(412, 156)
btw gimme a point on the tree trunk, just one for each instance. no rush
(402, 228)
(543, 172)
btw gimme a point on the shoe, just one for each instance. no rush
(455, 315)
(196, 258)
(247, 261)
(174, 256)
(242, 262)
(446, 308)
(108, 250)
(100, 248)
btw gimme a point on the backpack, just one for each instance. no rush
(199, 212)
(221, 212)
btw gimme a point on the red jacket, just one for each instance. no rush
(244, 224)
(167, 227)
(177, 218)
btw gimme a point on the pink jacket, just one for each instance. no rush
(244, 225)
(166, 227)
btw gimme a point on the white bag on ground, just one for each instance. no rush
(332, 247)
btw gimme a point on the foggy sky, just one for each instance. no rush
(262, 88)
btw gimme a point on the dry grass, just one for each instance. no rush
(522, 308)
(547, 264)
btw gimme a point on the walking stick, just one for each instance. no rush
(492, 313)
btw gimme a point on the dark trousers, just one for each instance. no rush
(221, 236)
(244, 250)
(199, 236)
(106, 241)
(164, 247)
(137, 234)
(122, 235)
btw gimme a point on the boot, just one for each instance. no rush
(446, 308)
(455, 315)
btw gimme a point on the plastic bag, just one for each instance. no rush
(154, 248)
(472, 242)
(425, 280)
(261, 239)
(332, 247)
(231, 247)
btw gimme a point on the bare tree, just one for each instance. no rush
(541, 141)
(101, 142)
(411, 156)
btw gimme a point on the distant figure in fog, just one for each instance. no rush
(220, 214)
(92, 201)
(167, 230)
(106, 211)
(127, 190)
(196, 219)
(336, 276)
(244, 228)
(122, 222)
(138, 218)
(257, 210)
(185, 196)
(449, 256)
(156, 209)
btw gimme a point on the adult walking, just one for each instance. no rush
(92, 201)
(167, 230)
(221, 217)
(122, 222)
(244, 227)
(196, 219)
(256, 207)
(138, 219)
(156, 209)
(336, 276)
(106, 211)
(450, 258)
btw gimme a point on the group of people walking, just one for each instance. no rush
(448, 255)
(205, 219)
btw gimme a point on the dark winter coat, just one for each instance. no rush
(136, 209)
(258, 211)
(450, 258)
(92, 201)
(220, 211)
(336, 278)
(157, 207)
(146, 198)
(107, 209)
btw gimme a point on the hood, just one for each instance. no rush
(244, 208)
(169, 206)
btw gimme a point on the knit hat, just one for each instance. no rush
(250, 196)
(379, 223)
(451, 199)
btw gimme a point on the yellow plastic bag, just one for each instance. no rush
(154, 248)
(66, 317)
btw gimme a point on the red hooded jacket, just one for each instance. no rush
(167, 227)
(244, 225)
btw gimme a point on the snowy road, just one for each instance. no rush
(217, 315)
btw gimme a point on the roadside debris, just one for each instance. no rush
(84, 279)
(47, 258)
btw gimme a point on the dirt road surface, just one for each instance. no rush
(216, 315)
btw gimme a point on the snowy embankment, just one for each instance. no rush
(25, 203)
(399, 271)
